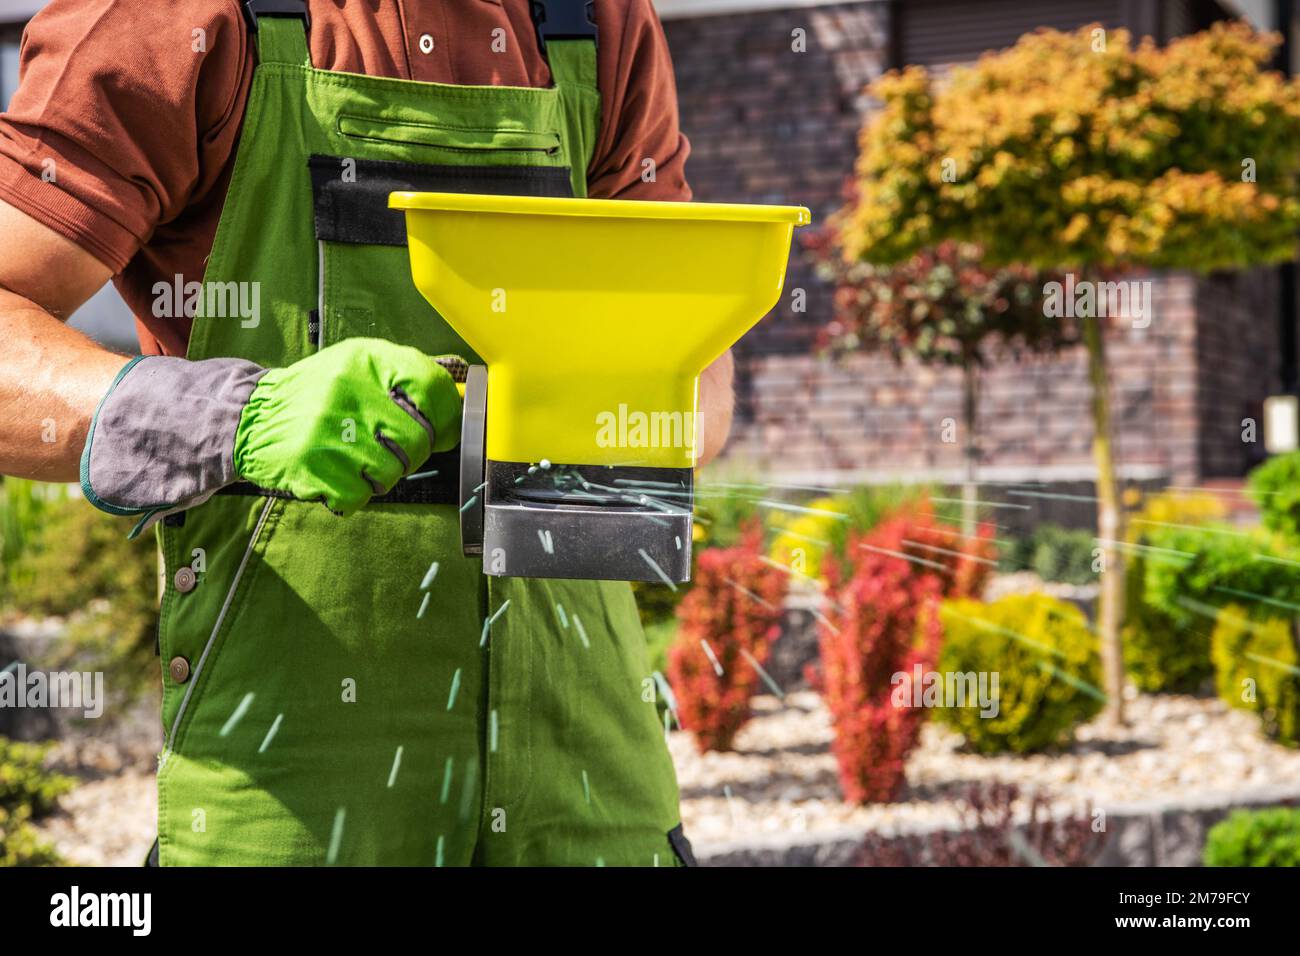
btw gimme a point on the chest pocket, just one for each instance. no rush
(521, 145)
(351, 195)
(365, 279)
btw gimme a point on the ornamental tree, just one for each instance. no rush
(941, 306)
(1083, 152)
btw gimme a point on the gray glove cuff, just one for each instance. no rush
(163, 438)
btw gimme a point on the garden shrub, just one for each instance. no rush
(1257, 668)
(27, 791)
(1047, 663)
(883, 622)
(985, 835)
(804, 539)
(866, 506)
(883, 625)
(1162, 653)
(1187, 574)
(962, 565)
(808, 541)
(1055, 553)
(1179, 507)
(1275, 488)
(1216, 566)
(79, 564)
(735, 607)
(1255, 838)
(23, 505)
(1167, 646)
(657, 602)
(726, 507)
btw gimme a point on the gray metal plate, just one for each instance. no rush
(586, 544)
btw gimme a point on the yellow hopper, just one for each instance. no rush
(596, 317)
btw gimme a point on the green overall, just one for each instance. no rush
(314, 712)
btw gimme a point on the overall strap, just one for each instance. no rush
(280, 28)
(567, 36)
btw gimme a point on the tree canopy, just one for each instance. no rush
(1081, 150)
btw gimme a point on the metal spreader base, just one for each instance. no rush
(564, 520)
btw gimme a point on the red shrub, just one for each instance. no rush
(868, 638)
(718, 610)
(884, 621)
(962, 565)
(988, 835)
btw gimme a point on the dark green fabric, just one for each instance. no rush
(328, 720)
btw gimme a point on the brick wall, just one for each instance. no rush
(774, 126)
(768, 124)
(870, 419)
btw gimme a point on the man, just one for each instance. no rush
(340, 685)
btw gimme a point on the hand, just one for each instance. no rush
(347, 423)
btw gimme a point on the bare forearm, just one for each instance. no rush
(51, 380)
(717, 401)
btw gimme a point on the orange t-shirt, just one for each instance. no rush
(136, 130)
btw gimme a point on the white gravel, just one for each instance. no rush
(111, 817)
(782, 778)
(107, 822)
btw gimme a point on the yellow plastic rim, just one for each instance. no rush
(595, 318)
(601, 208)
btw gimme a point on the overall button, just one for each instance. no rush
(179, 668)
(185, 580)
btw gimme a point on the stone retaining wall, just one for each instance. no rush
(1157, 833)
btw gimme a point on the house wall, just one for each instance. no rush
(868, 419)
(1237, 367)
(768, 124)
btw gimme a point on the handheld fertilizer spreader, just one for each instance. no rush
(595, 319)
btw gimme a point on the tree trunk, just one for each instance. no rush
(1110, 525)
(970, 413)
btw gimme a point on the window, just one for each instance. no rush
(9, 38)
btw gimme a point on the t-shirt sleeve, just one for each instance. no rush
(640, 151)
(123, 114)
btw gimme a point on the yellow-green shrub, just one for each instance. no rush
(1174, 507)
(79, 564)
(1275, 486)
(27, 790)
(1269, 837)
(1047, 663)
(1162, 653)
(1191, 572)
(1257, 668)
(804, 539)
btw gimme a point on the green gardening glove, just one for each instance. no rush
(347, 423)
